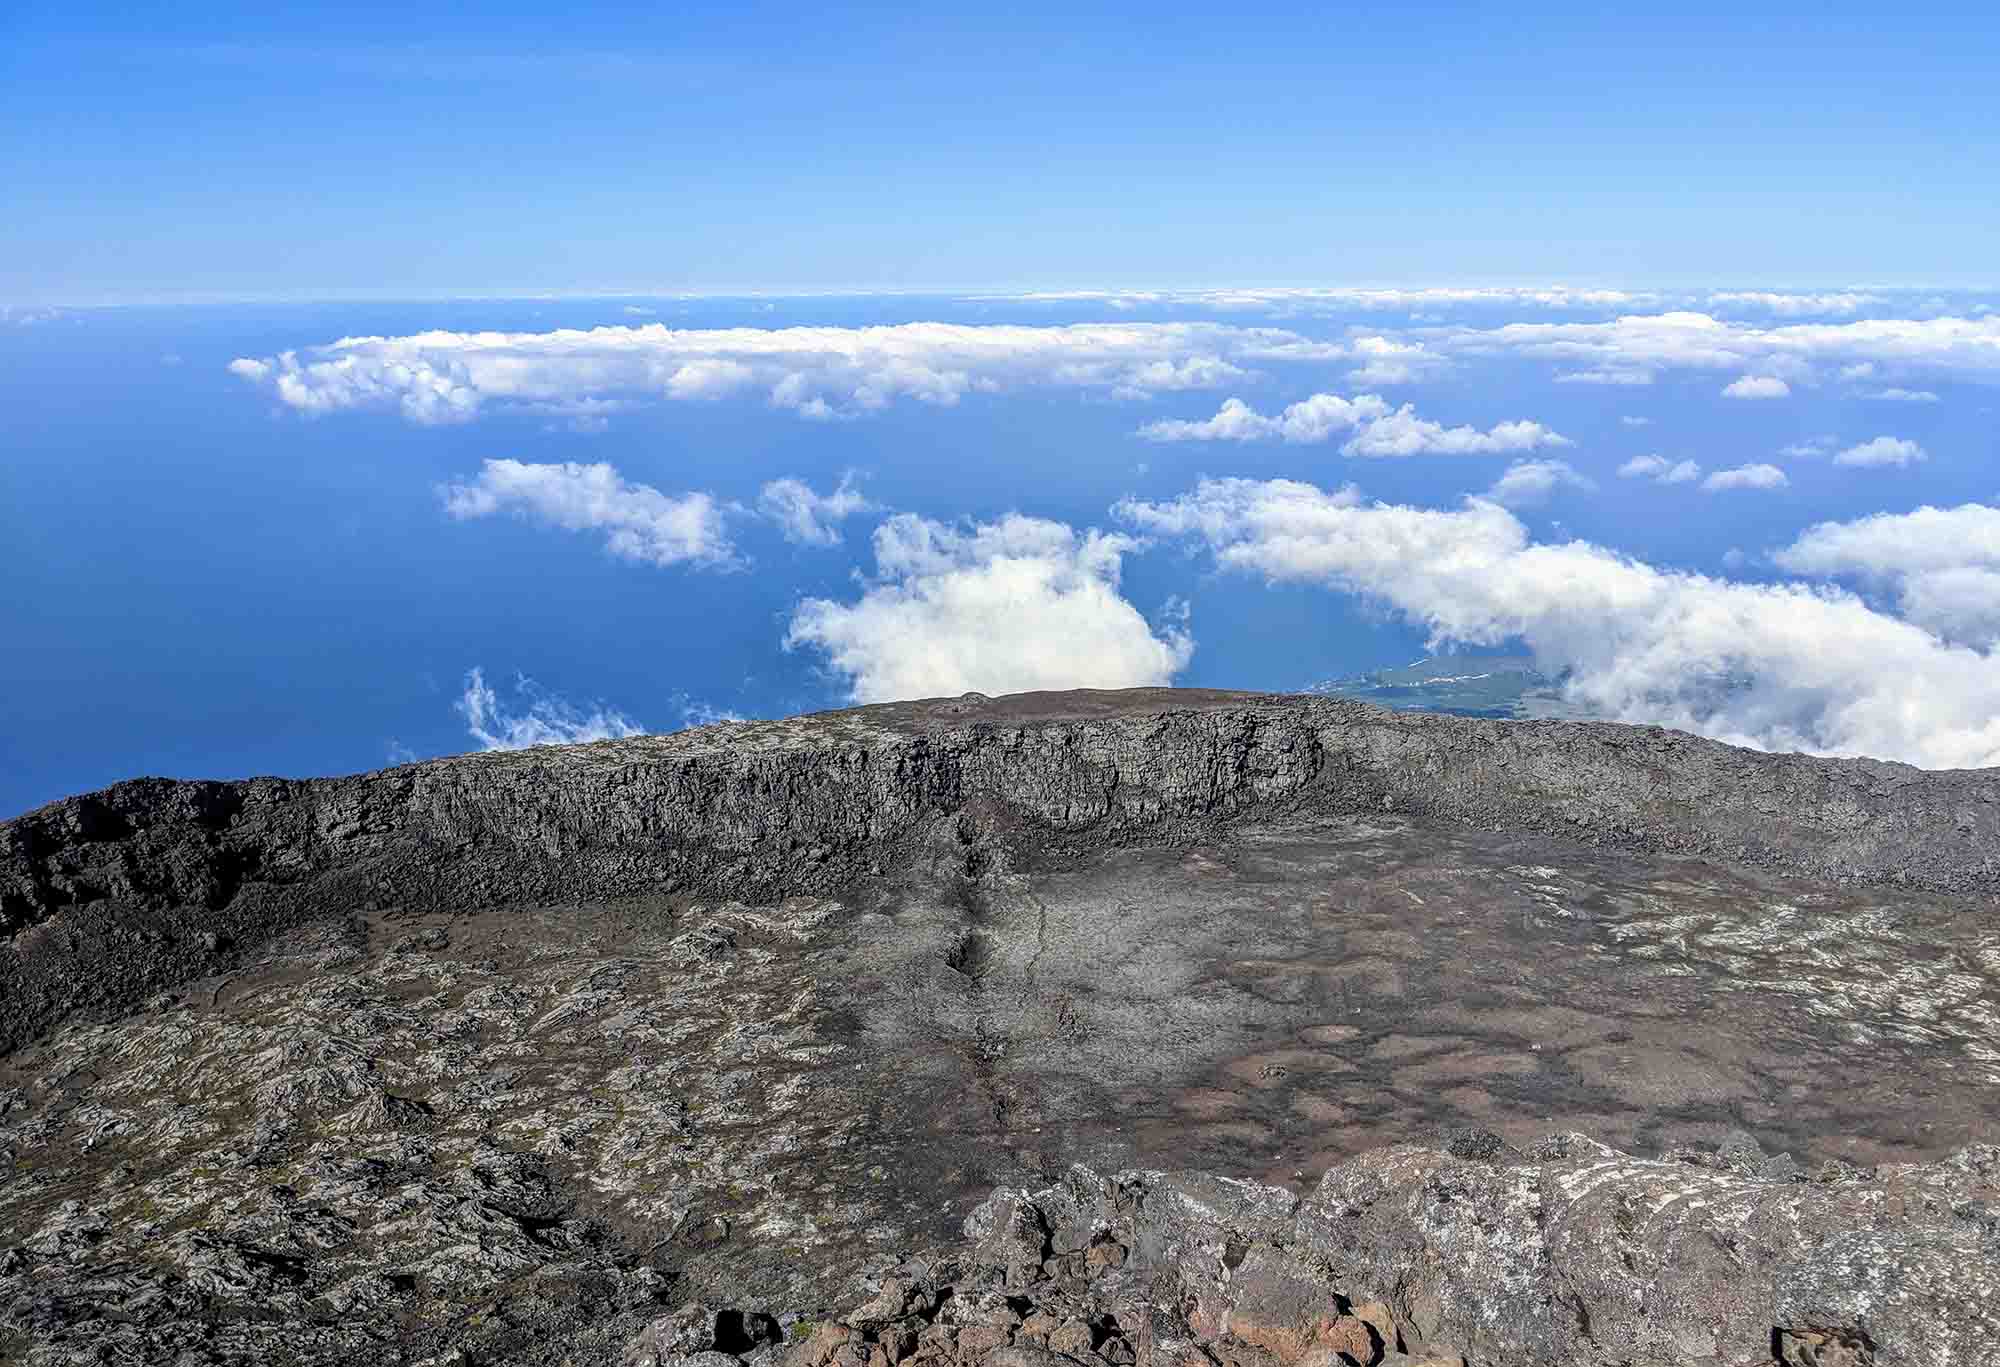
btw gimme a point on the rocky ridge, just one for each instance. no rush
(158, 881)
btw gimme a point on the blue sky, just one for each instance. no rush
(390, 151)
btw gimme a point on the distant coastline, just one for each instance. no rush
(1502, 686)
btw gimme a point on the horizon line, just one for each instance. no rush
(1164, 293)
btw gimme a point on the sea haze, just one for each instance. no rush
(220, 562)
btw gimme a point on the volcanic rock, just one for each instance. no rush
(780, 1041)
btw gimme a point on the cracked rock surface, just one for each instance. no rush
(678, 1048)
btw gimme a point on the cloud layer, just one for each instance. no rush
(1000, 607)
(818, 372)
(1377, 429)
(1784, 666)
(1636, 347)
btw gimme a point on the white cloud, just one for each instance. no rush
(1757, 387)
(694, 712)
(817, 372)
(1002, 607)
(1378, 429)
(1960, 604)
(544, 719)
(1845, 303)
(1633, 420)
(1402, 433)
(1660, 470)
(1527, 482)
(1898, 395)
(1384, 361)
(808, 518)
(1799, 352)
(1811, 448)
(1896, 544)
(1310, 420)
(1943, 564)
(1897, 451)
(1759, 476)
(1779, 666)
(639, 521)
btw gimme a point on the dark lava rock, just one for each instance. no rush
(504, 1058)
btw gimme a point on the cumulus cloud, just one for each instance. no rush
(1384, 361)
(808, 518)
(1316, 419)
(1634, 420)
(1941, 564)
(1757, 387)
(1528, 482)
(1779, 666)
(817, 372)
(1402, 433)
(1960, 604)
(999, 607)
(1808, 449)
(1377, 429)
(1759, 476)
(640, 523)
(1896, 544)
(1660, 470)
(1899, 395)
(1897, 451)
(537, 718)
(1968, 348)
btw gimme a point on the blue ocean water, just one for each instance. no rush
(196, 582)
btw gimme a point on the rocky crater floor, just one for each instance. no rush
(1220, 1030)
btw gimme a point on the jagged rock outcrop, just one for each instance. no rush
(1571, 1255)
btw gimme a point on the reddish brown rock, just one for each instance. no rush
(1282, 1306)
(818, 1348)
(1106, 1255)
(982, 1338)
